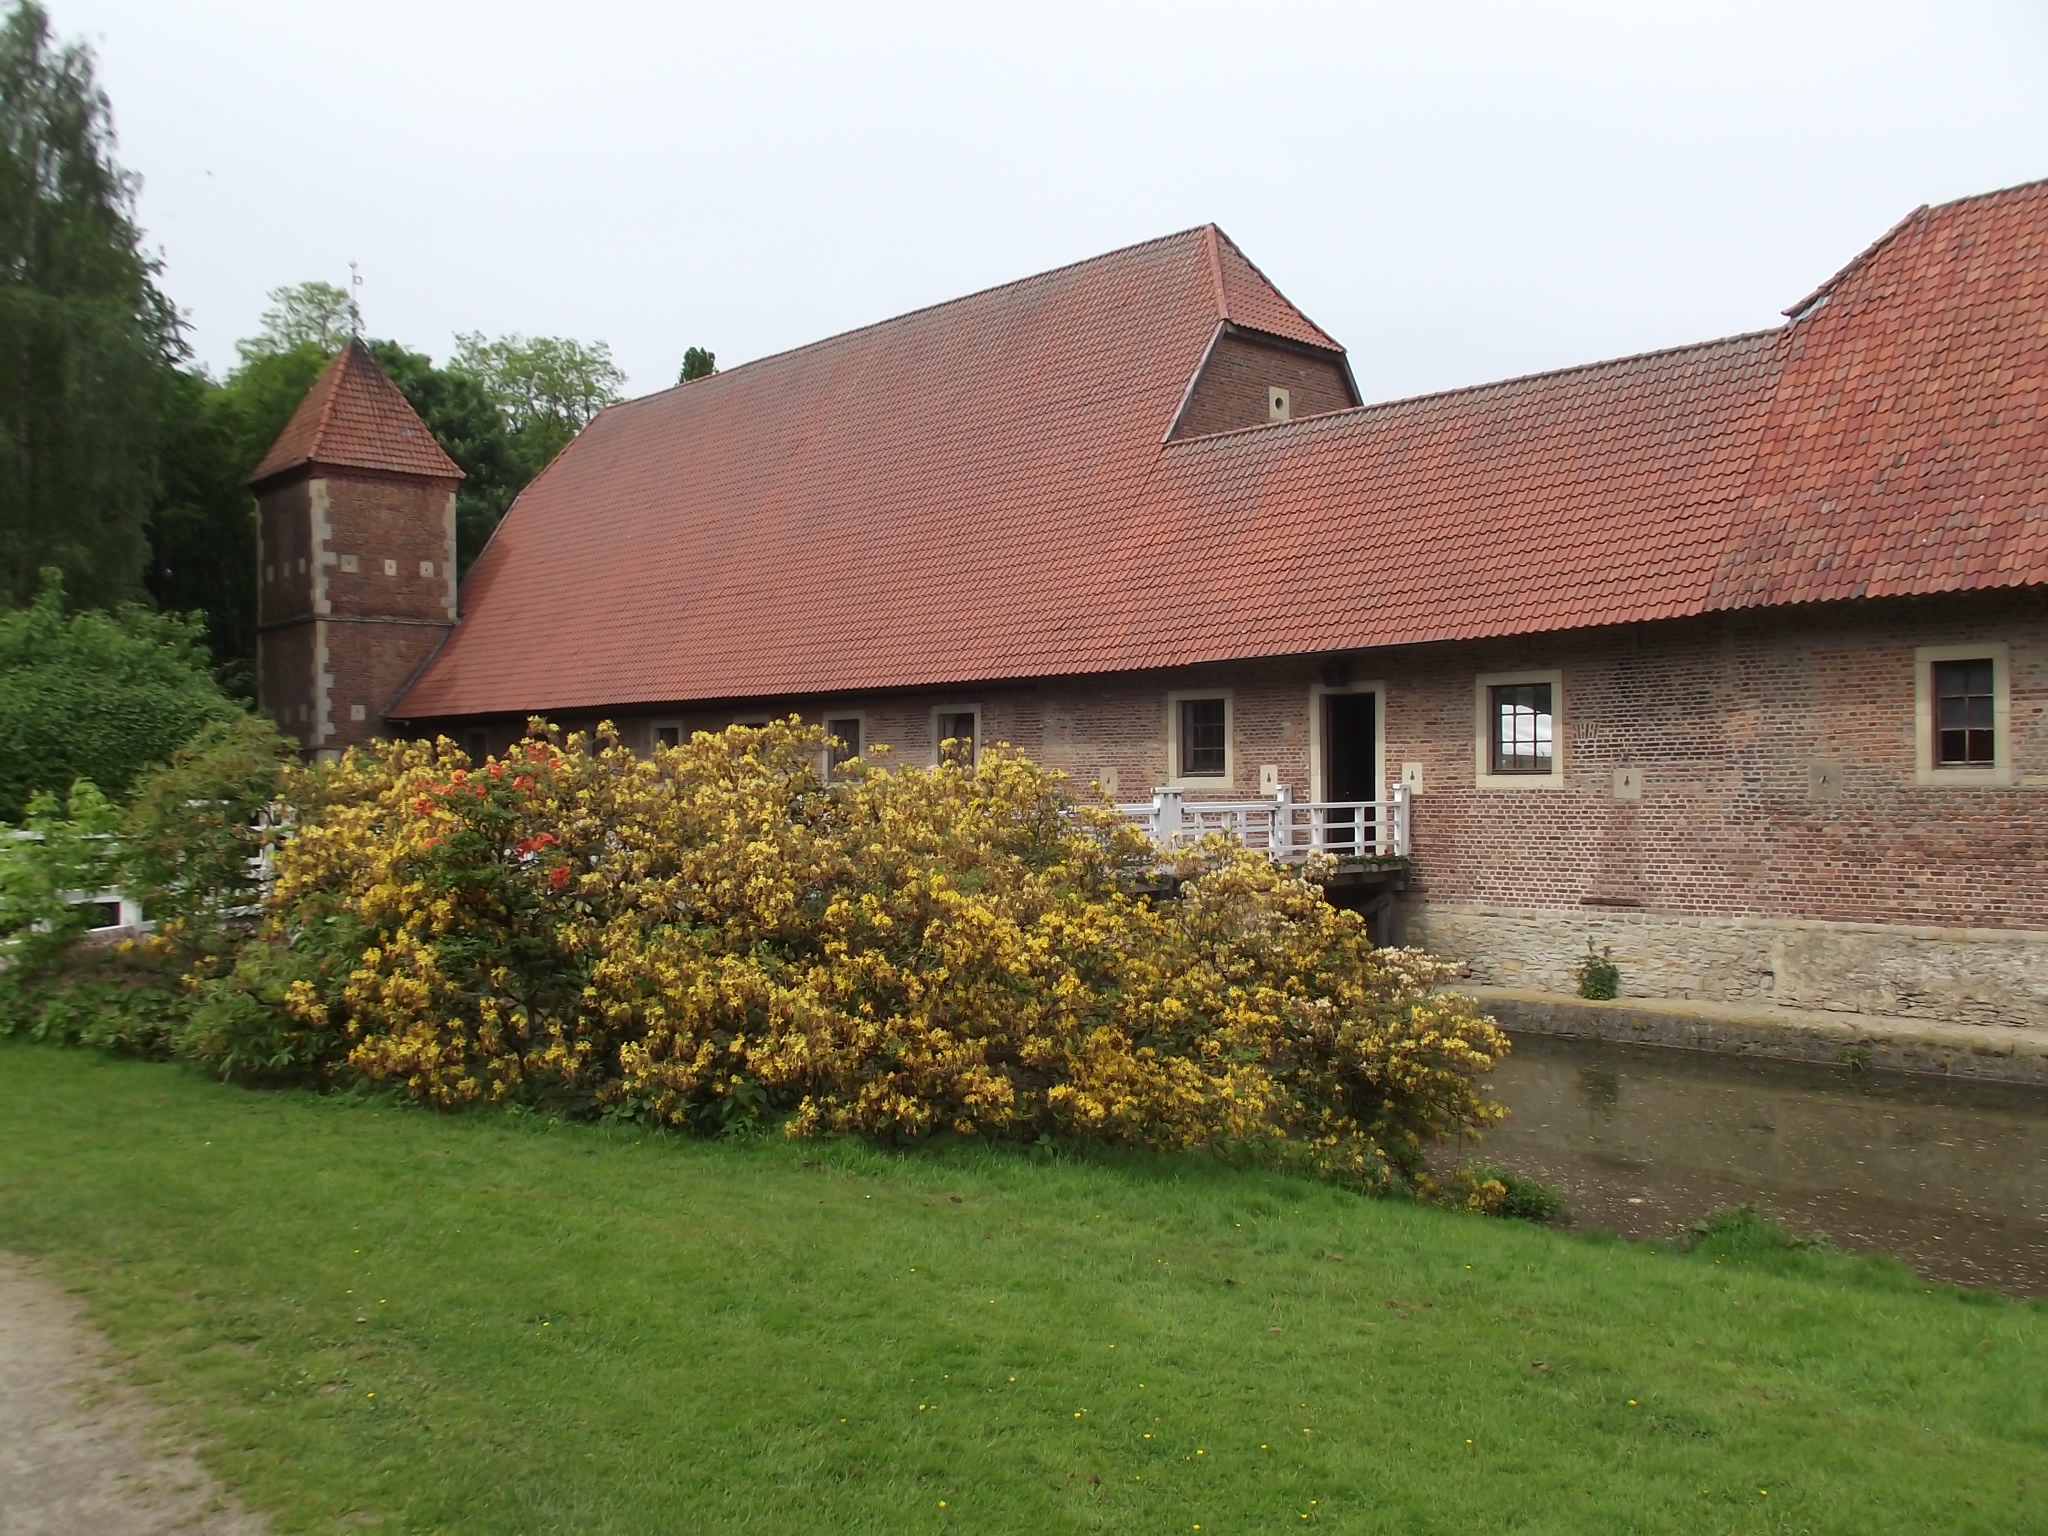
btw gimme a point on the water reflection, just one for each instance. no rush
(1951, 1176)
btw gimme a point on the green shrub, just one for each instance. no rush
(96, 695)
(108, 1000)
(239, 1027)
(193, 831)
(1742, 1232)
(1519, 1198)
(55, 985)
(182, 849)
(63, 851)
(1599, 978)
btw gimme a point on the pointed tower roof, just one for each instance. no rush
(355, 418)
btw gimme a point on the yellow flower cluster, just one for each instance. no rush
(719, 933)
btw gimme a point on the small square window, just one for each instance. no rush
(957, 730)
(1523, 729)
(666, 733)
(1204, 738)
(1965, 733)
(845, 731)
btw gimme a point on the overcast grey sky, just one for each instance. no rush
(1457, 191)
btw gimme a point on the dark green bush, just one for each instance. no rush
(102, 997)
(96, 695)
(239, 1028)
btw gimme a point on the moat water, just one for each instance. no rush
(1949, 1175)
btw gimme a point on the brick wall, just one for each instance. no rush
(1726, 719)
(1736, 873)
(357, 588)
(398, 535)
(284, 549)
(284, 678)
(1231, 390)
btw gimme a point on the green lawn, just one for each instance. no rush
(484, 1324)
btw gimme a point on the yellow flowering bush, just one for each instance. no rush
(718, 934)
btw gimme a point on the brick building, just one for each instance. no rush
(1733, 657)
(355, 555)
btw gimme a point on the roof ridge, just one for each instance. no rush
(1475, 389)
(344, 360)
(1925, 210)
(1985, 197)
(922, 309)
(1212, 248)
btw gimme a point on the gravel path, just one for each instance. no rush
(76, 1451)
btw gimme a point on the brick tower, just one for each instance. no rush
(355, 556)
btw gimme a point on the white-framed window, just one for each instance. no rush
(664, 733)
(848, 729)
(1518, 730)
(1962, 716)
(1200, 750)
(961, 725)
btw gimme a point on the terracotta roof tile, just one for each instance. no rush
(979, 491)
(354, 417)
(1247, 297)
(1907, 448)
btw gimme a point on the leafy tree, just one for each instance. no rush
(202, 529)
(548, 387)
(501, 410)
(698, 363)
(202, 532)
(96, 695)
(313, 314)
(86, 339)
(470, 428)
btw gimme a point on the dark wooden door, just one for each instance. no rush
(1350, 756)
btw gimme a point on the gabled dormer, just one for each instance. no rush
(1267, 361)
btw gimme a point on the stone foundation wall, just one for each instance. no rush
(1985, 976)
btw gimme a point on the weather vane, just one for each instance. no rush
(355, 310)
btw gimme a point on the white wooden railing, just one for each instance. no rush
(1279, 824)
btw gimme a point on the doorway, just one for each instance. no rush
(1350, 768)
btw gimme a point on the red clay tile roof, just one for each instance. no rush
(1907, 446)
(1246, 297)
(355, 418)
(978, 491)
(1597, 495)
